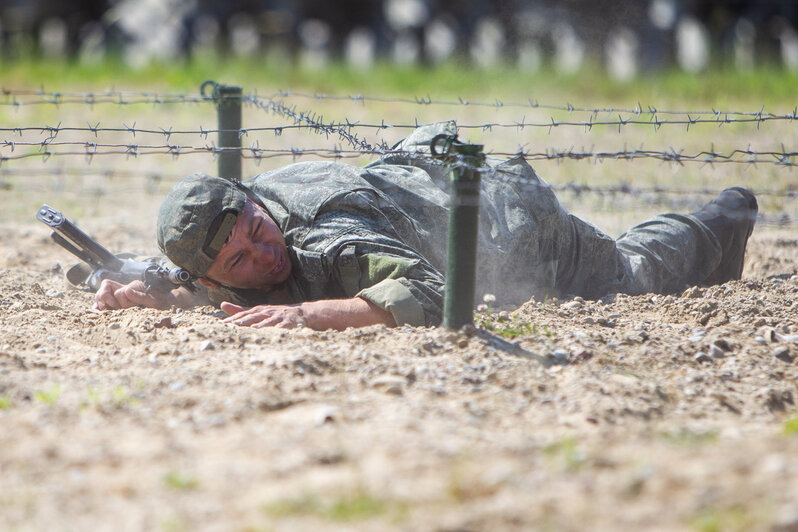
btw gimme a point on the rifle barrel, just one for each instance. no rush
(78, 239)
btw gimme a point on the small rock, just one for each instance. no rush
(760, 340)
(165, 323)
(115, 325)
(693, 292)
(207, 345)
(783, 353)
(392, 384)
(716, 352)
(177, 386)
(722, 343)
(53, 293)
(560, 356)
(572, 305)
(326, 414)
(702, 357)
(769, 334)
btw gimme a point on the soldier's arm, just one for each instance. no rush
(113, 296)
(320, 315)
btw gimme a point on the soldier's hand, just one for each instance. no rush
(113, 295)
(284, 316)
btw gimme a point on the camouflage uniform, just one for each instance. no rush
(379, 233)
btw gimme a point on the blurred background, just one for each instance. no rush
(626, 38)
(83, 112)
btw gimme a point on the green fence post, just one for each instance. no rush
(228, 105)
(461, 248)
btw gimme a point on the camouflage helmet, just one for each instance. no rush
(195, 219)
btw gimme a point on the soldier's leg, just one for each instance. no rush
(662, 255)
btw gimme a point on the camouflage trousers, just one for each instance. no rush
(665, 254)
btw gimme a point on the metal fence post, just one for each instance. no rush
(461, 247)
(228, 105)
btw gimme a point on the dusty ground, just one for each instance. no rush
(171, 420)
(655, 413)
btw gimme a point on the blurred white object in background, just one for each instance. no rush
(360, 48)
(692, 45)
(621, 51)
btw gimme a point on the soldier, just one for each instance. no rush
(329, 245)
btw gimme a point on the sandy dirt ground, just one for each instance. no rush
(650, 412)
(631, 413)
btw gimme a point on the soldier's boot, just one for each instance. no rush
(730, 217)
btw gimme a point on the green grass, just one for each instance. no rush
(688, 438)
(791, 426)
(732, 518)
(513, 326)
(343, 508)
(49, 396)
(5, 402)
(564, 455)
(721, 86)
(180, 481)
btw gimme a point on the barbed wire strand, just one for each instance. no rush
(91, 149)
(133, 97)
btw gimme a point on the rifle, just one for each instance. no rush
(103, 263)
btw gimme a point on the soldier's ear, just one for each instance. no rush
(204, 281)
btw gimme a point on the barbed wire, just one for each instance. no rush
(737, 156)
(532, 103)
(313, 122)
(635, 116)
(309, 121)
(129, 97)
(24, 97)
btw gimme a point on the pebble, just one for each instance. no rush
(53, 293)
(783, 353)
(177, 386)
(392, 384)
(165, 323)
(207, 345)
(760, 340)
(722, 343)
(326, 414)
(572, 305)
(769, 334)
(716, 352)
(702, 357)
(115, 325)
(560, 356)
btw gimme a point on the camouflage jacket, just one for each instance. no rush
(379, 232)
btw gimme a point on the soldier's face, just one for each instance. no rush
(254, 255)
